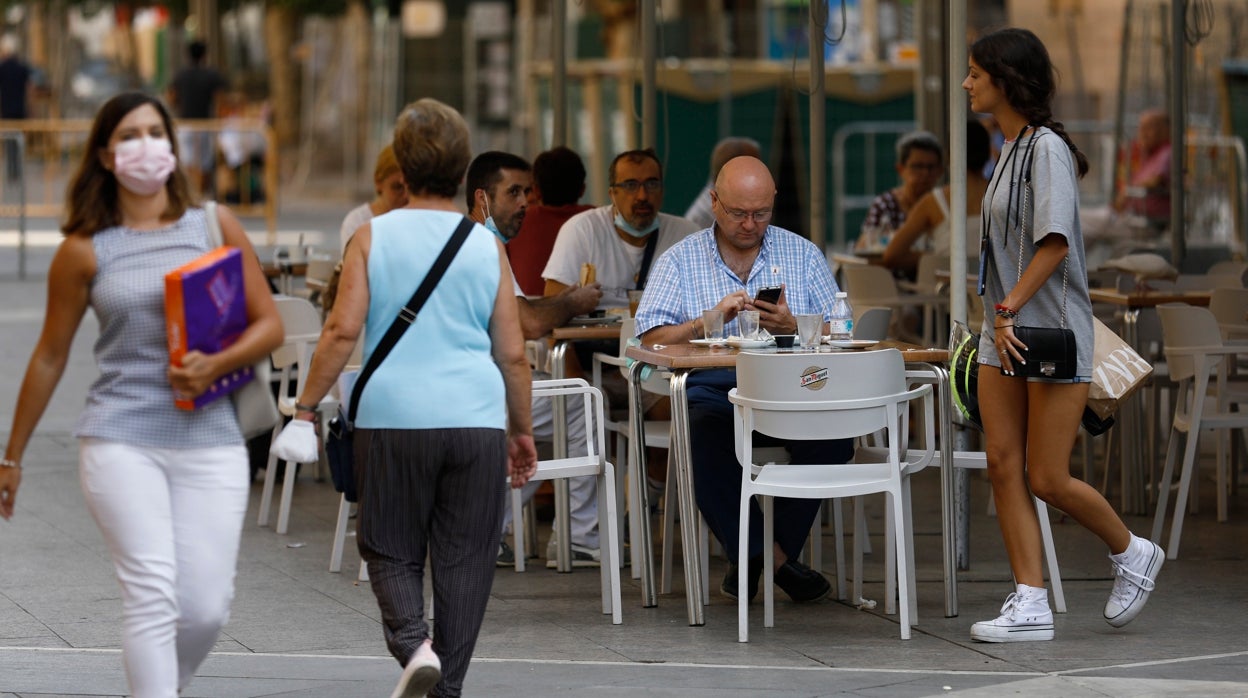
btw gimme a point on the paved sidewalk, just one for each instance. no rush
(300, 630)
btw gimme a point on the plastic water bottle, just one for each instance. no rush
(842, 324)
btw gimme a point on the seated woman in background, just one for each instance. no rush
(391, 194)
(930, 216)
(920, 164)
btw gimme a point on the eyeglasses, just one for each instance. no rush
(738, 216)
(631, 186)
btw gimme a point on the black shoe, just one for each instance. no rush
(506, 556)
(801, 583)
(729, 585)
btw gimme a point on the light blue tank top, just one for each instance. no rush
(132, 402)
(442, 373)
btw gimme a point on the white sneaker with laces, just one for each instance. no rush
(1025, 617)
(1135, 572)
(422, 673)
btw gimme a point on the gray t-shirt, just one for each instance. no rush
(1053, 207)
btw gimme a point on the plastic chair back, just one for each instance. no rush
(866, 283)
(873, 323)
(787, 389)
(302, 323)
(1184, 326)
(1229, 305)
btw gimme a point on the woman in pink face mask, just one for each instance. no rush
(167, 487)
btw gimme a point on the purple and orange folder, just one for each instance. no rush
(206, 310)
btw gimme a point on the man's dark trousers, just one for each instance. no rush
(717, 474)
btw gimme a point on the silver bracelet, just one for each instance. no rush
(7, 463)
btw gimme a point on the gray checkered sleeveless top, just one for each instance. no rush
(132, 402)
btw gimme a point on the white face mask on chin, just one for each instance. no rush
(143, 165)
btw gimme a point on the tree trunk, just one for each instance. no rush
(357, 30)
(279, 35)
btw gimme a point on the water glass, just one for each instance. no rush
(747, 323)
(713, 324)
(810, 330)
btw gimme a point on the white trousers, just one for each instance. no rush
(172, 520)
(582, 491)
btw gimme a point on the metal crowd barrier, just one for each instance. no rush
(41, 155)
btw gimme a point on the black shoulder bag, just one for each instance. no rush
(340, 442)
(1051, 351)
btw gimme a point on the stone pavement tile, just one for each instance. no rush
(100, 673)
(56, 604)
(1085, 687)
(712, 681)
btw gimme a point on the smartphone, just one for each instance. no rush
(768, 294)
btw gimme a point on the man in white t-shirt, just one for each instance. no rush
(622, 238)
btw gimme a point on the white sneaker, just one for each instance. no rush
(1025, 617)
(1134, 578)
(422, 673)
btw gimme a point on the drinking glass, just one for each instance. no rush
(810, 330)
(747, 323)
(713, 324)
(634, 300)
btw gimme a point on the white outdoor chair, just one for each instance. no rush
(1230, 308)
(783, 395)
(874, 285)
(593, 463)
(872, 323)
(302, 323)
(1195, 352)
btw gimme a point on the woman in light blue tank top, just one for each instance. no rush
(444, 419)
(167, 487)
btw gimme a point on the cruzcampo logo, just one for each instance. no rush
(814, 378)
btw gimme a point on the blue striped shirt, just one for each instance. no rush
(692, 277)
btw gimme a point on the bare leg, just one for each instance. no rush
(1053, 424)
(1005, 436)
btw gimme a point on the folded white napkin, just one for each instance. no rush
(296, 443)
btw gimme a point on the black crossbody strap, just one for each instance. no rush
(407, 315)
(646, 258)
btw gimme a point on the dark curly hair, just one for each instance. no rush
(1019, 65)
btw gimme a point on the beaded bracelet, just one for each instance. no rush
(9, 463)
(1006, 312)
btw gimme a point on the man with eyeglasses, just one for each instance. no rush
(723, 267)
(621, 239)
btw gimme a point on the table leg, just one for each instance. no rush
(563, 519)
(643, 547)
(688, 505)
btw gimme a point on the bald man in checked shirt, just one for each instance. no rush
(723, 267)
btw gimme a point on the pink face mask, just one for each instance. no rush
(143, 165)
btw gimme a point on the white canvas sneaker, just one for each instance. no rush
(1025, 617)
(1133, 580)
(422, 673)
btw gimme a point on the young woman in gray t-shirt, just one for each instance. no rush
(1034, 272)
